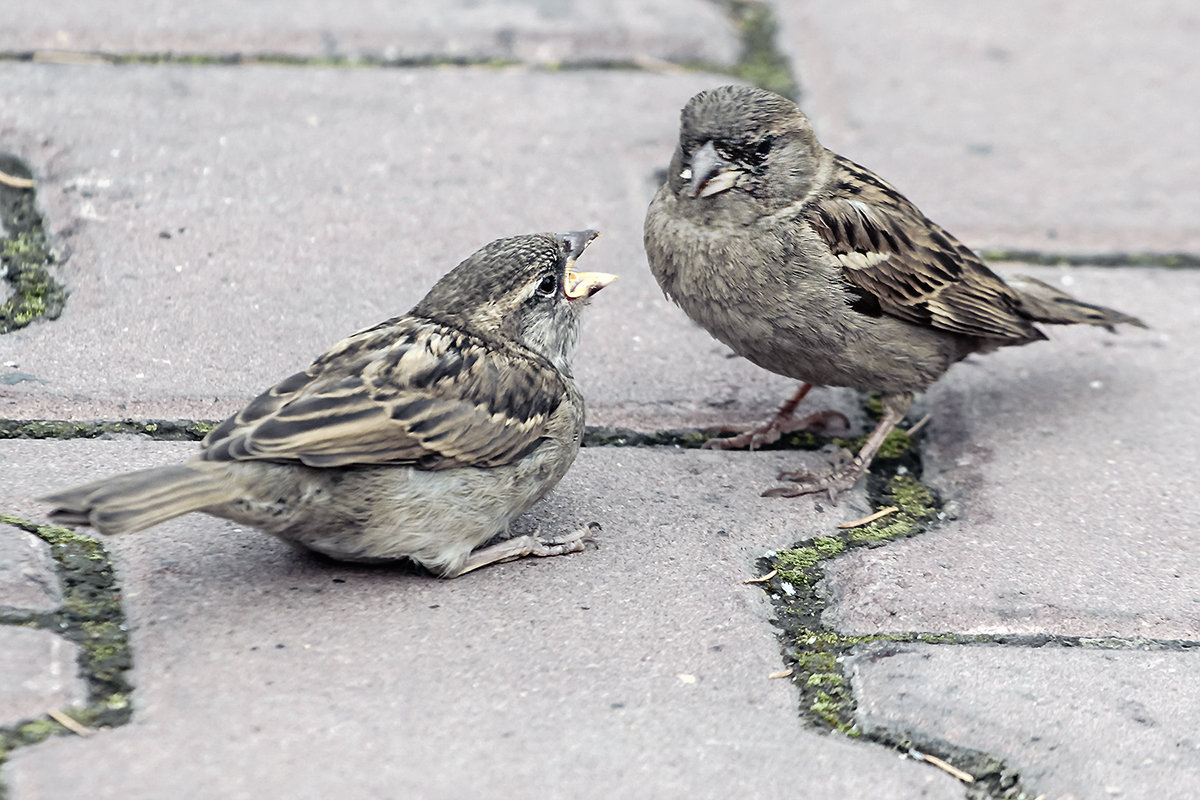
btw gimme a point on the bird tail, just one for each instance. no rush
(1042, 302)
(137, 500)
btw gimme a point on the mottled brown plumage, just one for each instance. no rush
(421, 438)
(812, 266)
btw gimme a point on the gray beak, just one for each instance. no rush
(712, 174)
(577, 241)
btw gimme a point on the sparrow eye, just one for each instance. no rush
(548, 285)
(763, 148)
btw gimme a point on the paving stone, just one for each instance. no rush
(541, 31)
(207, 261)
(27, 572)
(637, 667)
(1075, 723)
(1072, 467)
(37, 674)
(1062, 125)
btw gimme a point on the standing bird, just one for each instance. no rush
(420, 438)
(813, 267)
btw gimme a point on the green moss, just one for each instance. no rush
(913, 498)
(800, 440)
(825, 679)
(895, 445)
(796, 566)
(836, 709)
(90, 616)
(162, 430)
(198, 429)
(32, 732)
(916, 503)
(27, 260)
(34, 292)
(872, 404)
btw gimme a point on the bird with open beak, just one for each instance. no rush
(421, 438)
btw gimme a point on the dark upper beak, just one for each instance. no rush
(577, 242)
(582, 284)
(711, 174)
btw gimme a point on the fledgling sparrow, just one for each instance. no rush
(813, 267)
(421, 438)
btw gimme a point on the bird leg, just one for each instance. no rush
(895, 406)
(783, 422)
(527, 545)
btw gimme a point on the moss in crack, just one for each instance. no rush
(761, 62)
(895, 445)
(917, 505)
(816, 654)
(796, 566)
(161, 429)
(90, 616)
(1168, 260)
(26, 261)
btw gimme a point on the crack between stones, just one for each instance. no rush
(813, 651)
(90, 616)
(760, 61)
(815, 654)
(1169, 260)
(26, 261)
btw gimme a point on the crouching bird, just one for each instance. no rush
(813, 267)
(421, 438)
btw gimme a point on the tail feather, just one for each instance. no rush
(138, 500)
(1045, 303)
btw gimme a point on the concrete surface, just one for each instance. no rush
(530, 31)
(1085, 724)
(218, 226)
(644, 661)
(1072, 466)
(27, 578)
(37, 674)
(389, 179)
(1048, 124)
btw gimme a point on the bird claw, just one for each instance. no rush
(527, 545)
(832, 483)
(779, 425)
(574, 542)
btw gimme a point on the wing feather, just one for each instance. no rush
(915, 270)
(408, 391)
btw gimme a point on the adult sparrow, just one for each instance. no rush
(813, 267)
(421, 438)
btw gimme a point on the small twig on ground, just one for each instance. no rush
(764, 578)
(70, 723)
(15, 182)
(965, 777)
(783, 673)
(921, 423)
(881, 513)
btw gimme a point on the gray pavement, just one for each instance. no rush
(218, 225)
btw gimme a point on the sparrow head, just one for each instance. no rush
(521, 290)
(748, 142)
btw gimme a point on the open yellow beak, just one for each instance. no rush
(585, 284)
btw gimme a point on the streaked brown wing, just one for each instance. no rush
(914, 269)
(406, 391)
